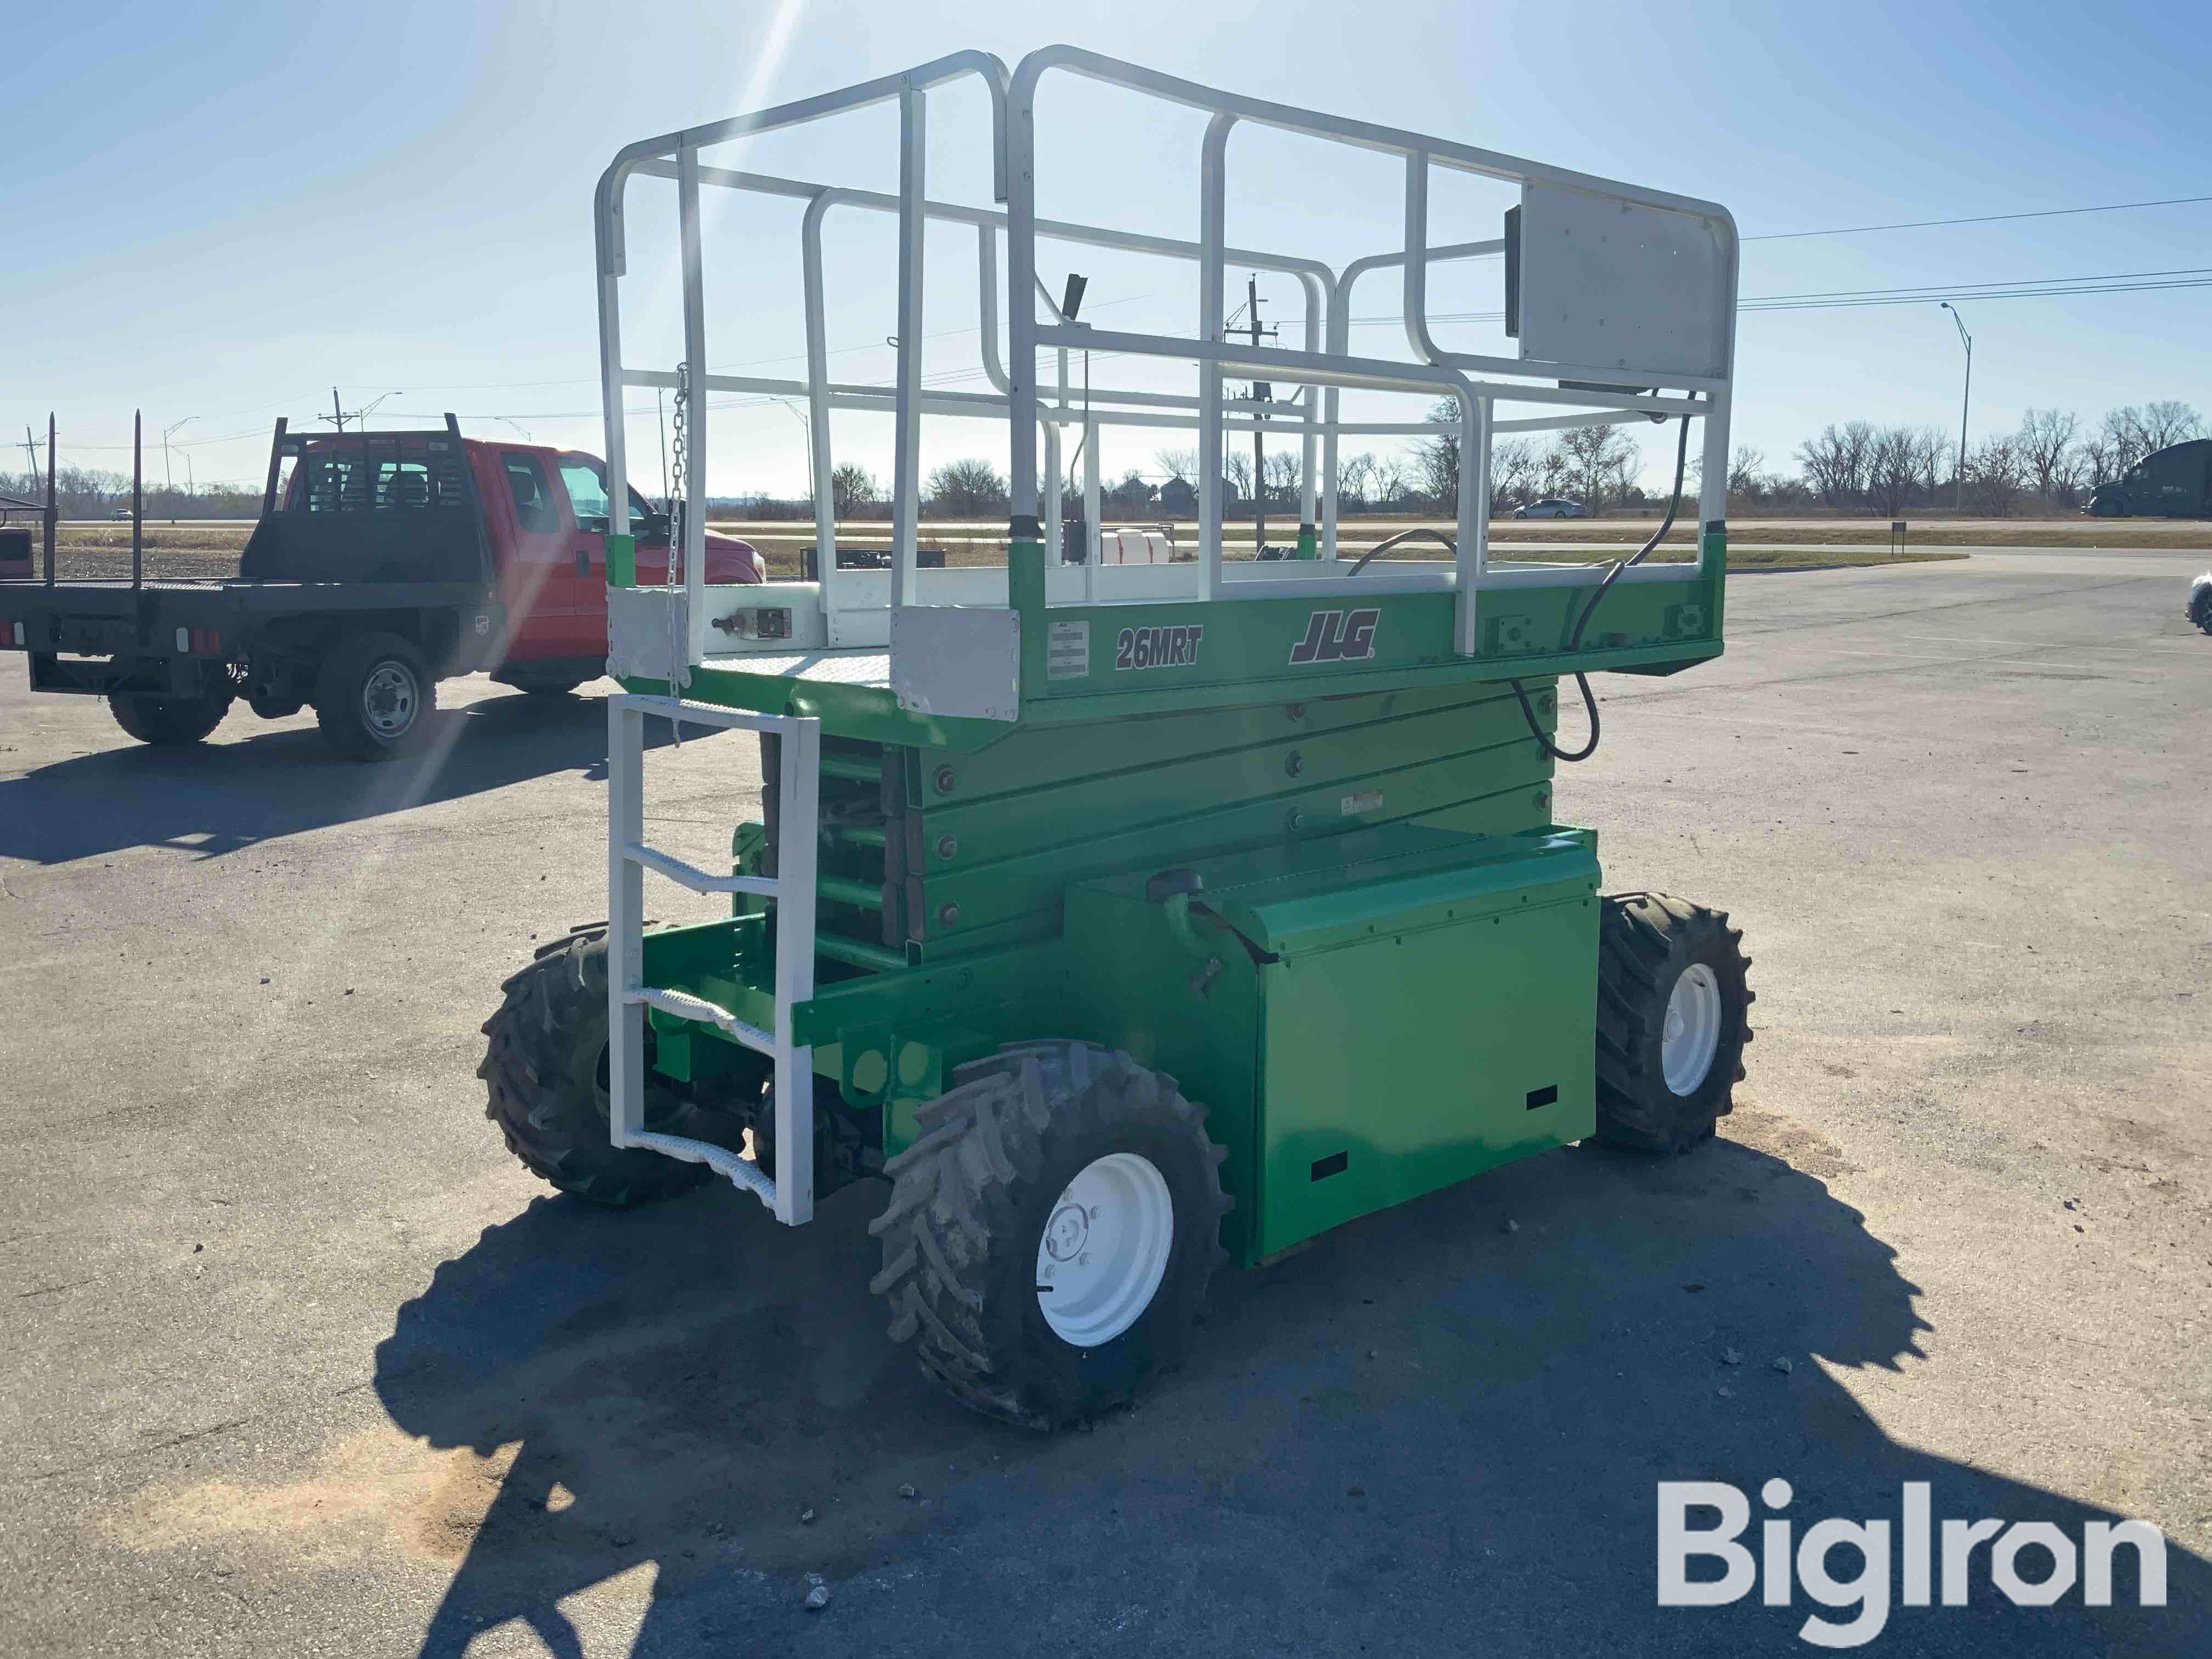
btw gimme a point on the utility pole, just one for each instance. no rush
(337, 414)
(1959, 499)
(1262, 393)
(168, 473)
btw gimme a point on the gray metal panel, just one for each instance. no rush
(1609, 282)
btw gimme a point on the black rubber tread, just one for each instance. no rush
(971, 1201)
(169, 722)
(2200, 608)
(1645, 941)
(337, 697)
(541, 1068)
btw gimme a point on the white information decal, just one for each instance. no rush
(1068, 651)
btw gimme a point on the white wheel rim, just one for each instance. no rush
(1104, 1250)
(1692, 1032)
(388, 699)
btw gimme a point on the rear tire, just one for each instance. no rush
(1673, 1019)
(374, 697)
(2200, 607)
(170, 722)
(544, 1068)
(982, 1216)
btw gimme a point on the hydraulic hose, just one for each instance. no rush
(1575, 635)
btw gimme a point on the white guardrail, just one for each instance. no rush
(790, 1197)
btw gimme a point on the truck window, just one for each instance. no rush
(586, 479)
(533, 503)
(374, 475)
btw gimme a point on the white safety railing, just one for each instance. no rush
(1628, 298)
(790, 1195)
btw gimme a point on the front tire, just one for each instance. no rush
(545, 1071)
(1049, 1238)
(2200, 607)
(1673, 1019)
(374, 697)
(170, 722)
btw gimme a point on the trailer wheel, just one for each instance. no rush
(374, 697)
(2200, 607)
(1673, 1019)
(545, 1070)
(1049, 1238)
(168, 722)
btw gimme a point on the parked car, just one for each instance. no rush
(382, 563)
(122, 512)
(1552, 506)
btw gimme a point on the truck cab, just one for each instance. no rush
(382, 562)
(2173, 483)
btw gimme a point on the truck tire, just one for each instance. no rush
(545, 1071)
(1051, 1169)
(374, 697)
(168, 722)
(2200, 606)
(1673, 1019)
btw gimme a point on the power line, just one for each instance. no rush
(1977, 219)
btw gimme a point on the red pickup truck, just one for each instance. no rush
(382, 562)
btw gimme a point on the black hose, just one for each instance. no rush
(1384, 546)
(1575, 636)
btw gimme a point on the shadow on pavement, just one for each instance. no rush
(217, 797)
(1430, 1432)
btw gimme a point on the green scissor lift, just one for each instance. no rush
(1128, 921)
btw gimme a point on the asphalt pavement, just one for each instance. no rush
(296, 1360)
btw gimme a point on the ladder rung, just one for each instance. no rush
(691, 876)
(683, 1005)
(741, 1171)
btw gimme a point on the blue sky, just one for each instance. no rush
(218, 212)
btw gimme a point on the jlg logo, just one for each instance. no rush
(1337, 636)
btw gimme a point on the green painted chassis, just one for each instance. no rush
(1118, 774)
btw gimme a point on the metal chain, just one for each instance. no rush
(676, 499)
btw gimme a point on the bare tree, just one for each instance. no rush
(2168, 420)
(1284, 470)
(1355, 478)
(1836, 461)
(1995, 474)
(852, 487)
(1513, 470)
(1177, 463)
(1436, 461)
(1236, 472)
(962, 489)
(1747, 473)
(2044, 445)
(1392, 480)
(1598, 462)
(1893, 469)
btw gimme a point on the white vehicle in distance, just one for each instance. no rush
(1552, 506)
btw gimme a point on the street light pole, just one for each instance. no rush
(1959, 499)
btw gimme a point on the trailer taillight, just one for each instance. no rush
(200, 642)
(13, 633)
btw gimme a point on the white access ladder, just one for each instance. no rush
(789, 1198)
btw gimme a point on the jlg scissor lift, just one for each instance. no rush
(1134, 917)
